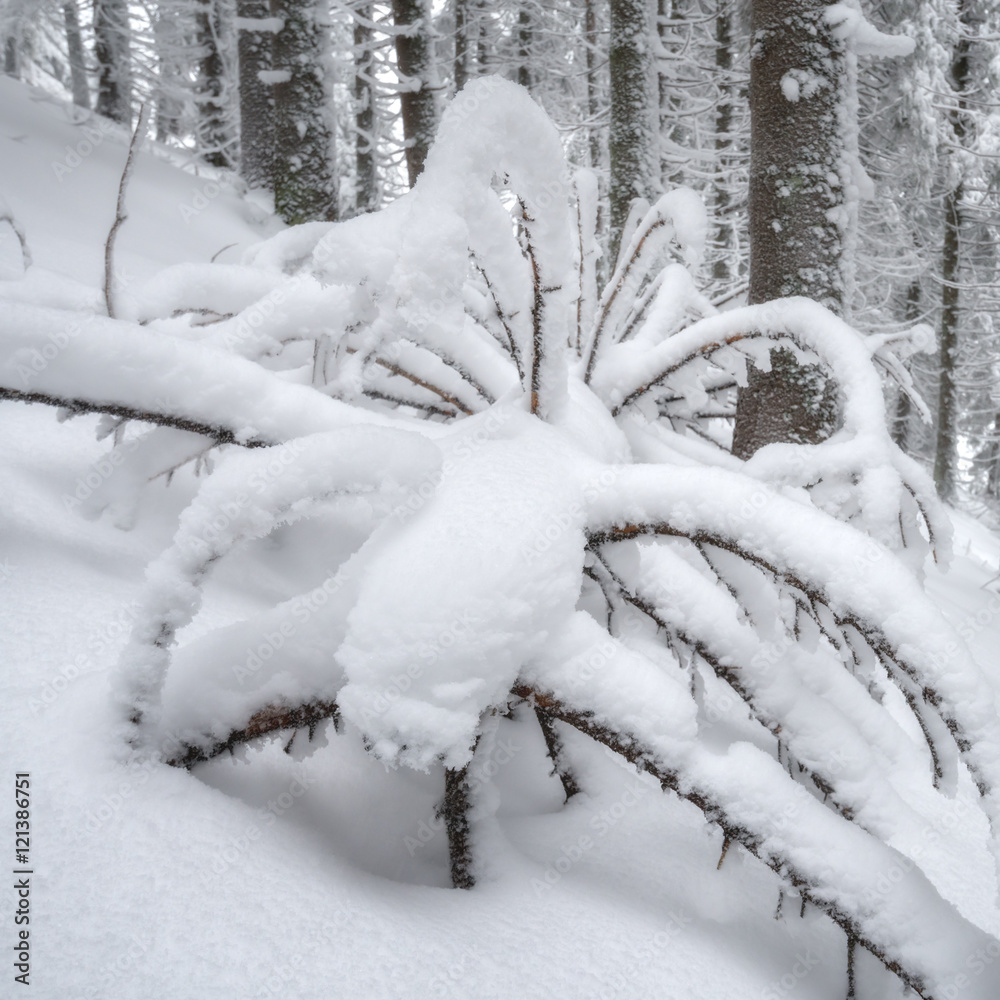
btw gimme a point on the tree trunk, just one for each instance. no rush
(592, 41)
(798, 76)
(723, 141)
(77, 59)
(213, 135)
(993, 461)
(946, 449)
(461, 43)
(414, 63)
(366, 182)
(632, 139)
(525, 45)
(305, 188)
(901, 424)
(257, 125)
(112, 54)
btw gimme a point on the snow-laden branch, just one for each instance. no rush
(247, 498)
(863, 447)
(853, 576)
(96, 364)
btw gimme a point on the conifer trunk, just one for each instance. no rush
(797, 81)
(414, 60)
(257, 126)
(305, 187)
(632, 139)
(77, 59)
(366, 180)
(112, 54)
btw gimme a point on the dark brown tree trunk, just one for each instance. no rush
(797, 79)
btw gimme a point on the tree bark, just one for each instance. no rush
(305, 188)
(798, 77)
(901, 424)
(946, 445)
(212, 125)
(77, 59)
(525, 45)
(112, 53)
(257, 125)
(366, 180)
(461, 43)
(414, 62)
(632, 139)
(723, 140)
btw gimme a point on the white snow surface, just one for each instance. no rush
(325, 875)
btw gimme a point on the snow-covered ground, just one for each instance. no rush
(327, 877)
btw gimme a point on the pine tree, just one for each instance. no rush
(797, 88)
(305, 187)
(366, 188)
(75, 54)
(631, 144)
(415, 66)
(257, 125)
(112, 54)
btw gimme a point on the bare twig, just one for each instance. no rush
(511, 344)
(456, 818)
(646, 759)
(7, 215)
(221, 435)
(271, 719)
(120, 216)
(557, 754)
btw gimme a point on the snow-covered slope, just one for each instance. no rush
(326, 877)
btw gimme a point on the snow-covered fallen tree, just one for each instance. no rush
(545, 514)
